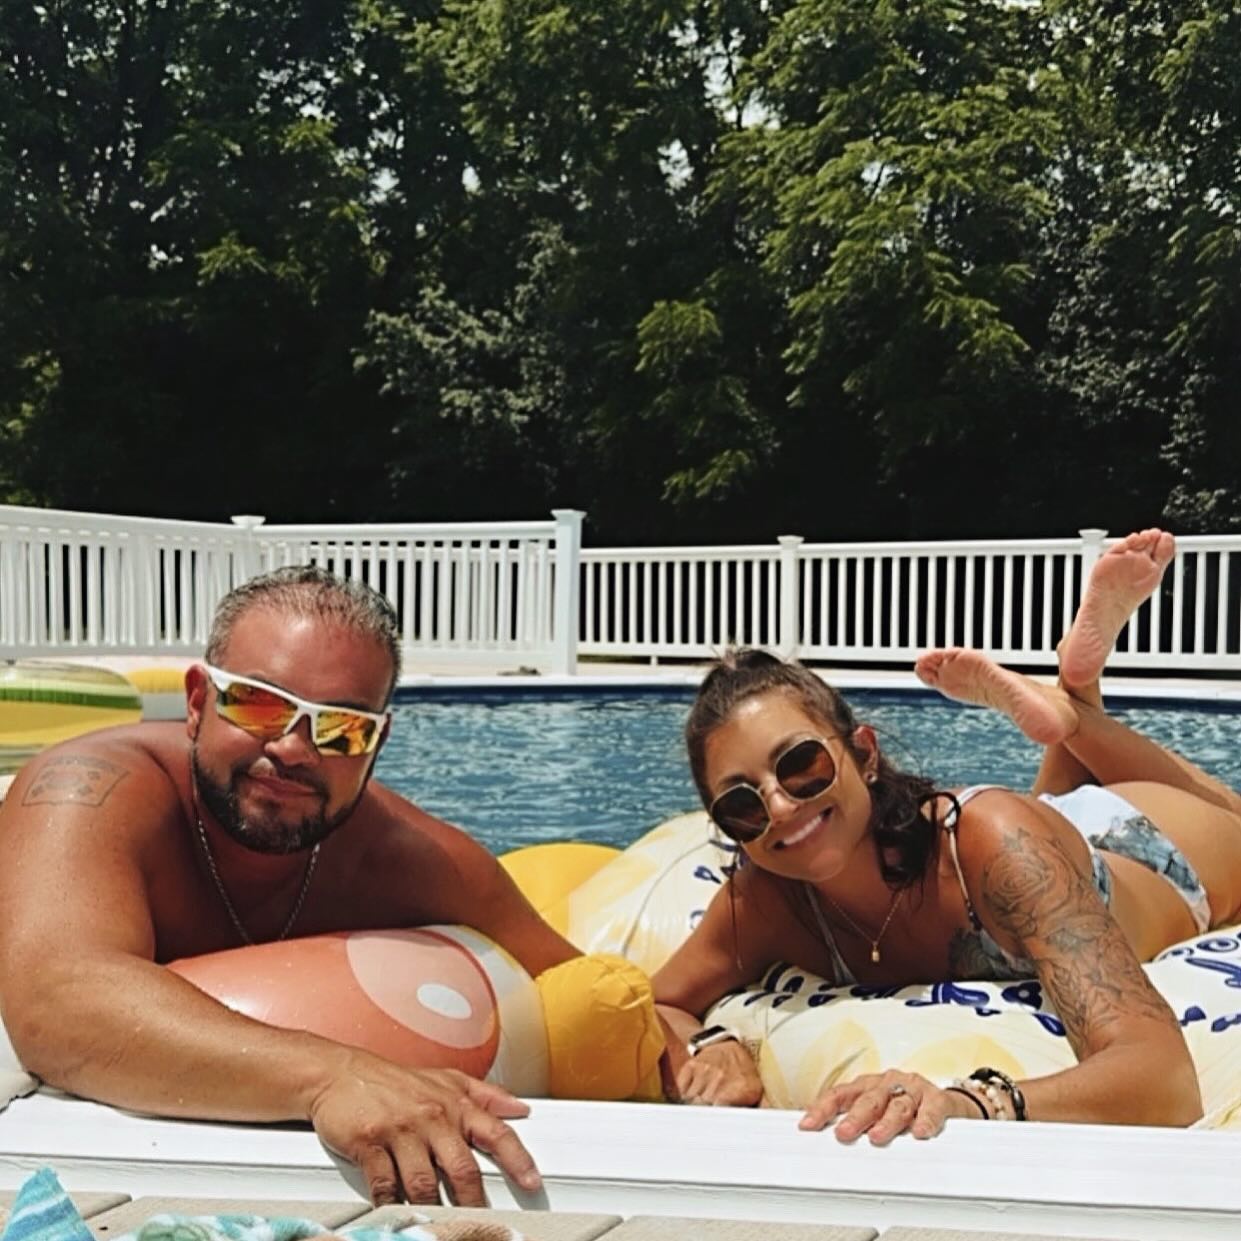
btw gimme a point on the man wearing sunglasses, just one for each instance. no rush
(256, 820)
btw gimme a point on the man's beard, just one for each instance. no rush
(276, 838)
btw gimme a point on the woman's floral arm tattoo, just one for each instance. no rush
(1088, 970)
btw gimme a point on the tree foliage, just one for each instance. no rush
(709, 269)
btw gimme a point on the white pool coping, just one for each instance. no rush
(649, 1159)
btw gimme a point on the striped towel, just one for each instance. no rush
(44, 1212)
(262, 1228)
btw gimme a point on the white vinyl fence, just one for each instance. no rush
(886, 602)
(488, 594)
(513, 594)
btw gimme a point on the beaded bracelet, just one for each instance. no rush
(958, 1088)
(993, 1081)
(994, 1094)
(990, 1098)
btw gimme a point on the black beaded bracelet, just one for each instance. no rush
(994, 1076)
(973, 1098)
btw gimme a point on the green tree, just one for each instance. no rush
(1200, 136)
(1145, 325)
(590, 132)
(186, 253)
(709, 269)
(900, 185)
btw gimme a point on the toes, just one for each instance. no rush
(928, 665)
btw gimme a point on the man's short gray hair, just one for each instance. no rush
(308, 590)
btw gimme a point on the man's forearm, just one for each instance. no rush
(131, 1033)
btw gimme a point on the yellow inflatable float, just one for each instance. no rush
(42, 703)
(810, 1032)
(546, 874)
(162, 687)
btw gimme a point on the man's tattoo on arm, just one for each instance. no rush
(1085, 963)
(73, 780)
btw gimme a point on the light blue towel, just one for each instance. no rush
(264, 1228)
(225, 1228)
(44, 1212)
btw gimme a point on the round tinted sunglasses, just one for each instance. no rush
(803, 771)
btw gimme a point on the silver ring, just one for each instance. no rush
(898, 1089)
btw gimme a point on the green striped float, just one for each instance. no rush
(42, 703)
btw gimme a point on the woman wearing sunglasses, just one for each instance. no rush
(861, 872)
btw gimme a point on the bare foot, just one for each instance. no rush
(1123, 578)
(1044, 714)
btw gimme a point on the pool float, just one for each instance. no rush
(547, 873)
(448, 997)
(436, 996)
(644, 902)
(43, 703)
(809, 1033)
(162, 688)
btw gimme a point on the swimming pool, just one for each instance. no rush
(517, 768)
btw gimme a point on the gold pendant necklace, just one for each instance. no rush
(873, 940)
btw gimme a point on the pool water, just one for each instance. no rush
(516, 769)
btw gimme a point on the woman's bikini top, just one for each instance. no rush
(987, 959)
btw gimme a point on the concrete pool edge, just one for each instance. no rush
(1118, 691)
(618, 678)
(651, 1159)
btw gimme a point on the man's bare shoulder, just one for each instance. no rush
(394, 864)
(131, 772)
(91, 816)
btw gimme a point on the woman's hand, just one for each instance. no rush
(882, 1105)
(722, 1075)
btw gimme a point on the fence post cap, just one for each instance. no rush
(1093, 534)
(248, 521)
(790, 540)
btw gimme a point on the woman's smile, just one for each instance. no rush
(804, 832)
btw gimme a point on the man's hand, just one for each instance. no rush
(722, 1075)
(407, 1127)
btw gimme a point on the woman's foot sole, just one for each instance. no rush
(1043, 714)
(1123, 578)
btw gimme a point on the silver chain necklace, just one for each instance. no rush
(238, 925)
